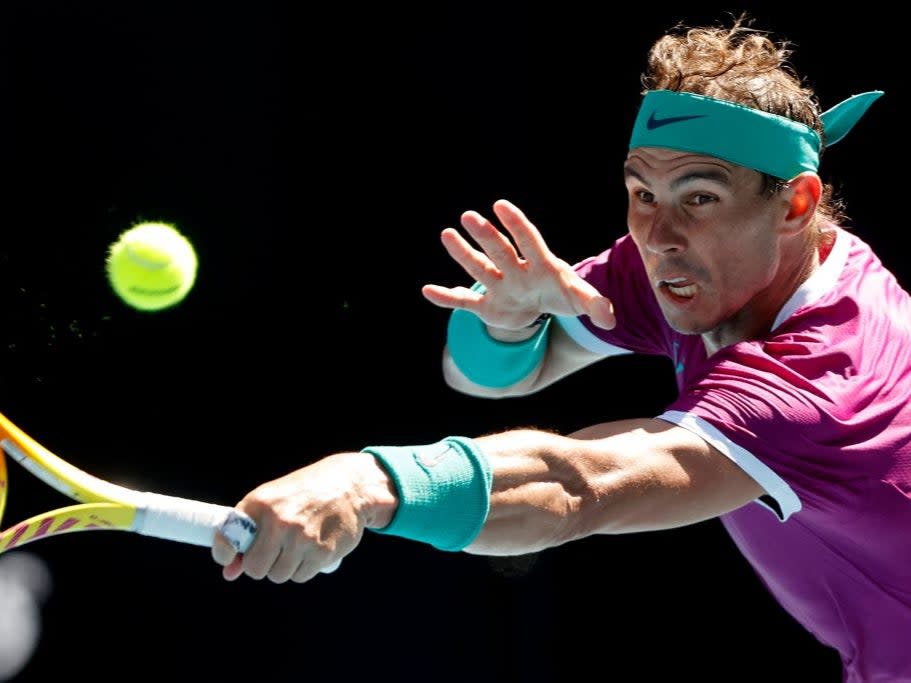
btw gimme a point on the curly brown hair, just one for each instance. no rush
(744, 65)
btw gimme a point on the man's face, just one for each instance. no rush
(708, 239)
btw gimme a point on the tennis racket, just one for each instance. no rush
(106, 506)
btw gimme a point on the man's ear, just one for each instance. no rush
(805, 191)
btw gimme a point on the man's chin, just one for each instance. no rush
(686, 326)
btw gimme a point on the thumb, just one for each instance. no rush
(589, 301)
(601, 311)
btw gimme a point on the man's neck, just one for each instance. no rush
(756, 323)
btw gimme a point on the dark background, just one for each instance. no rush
(313, 156)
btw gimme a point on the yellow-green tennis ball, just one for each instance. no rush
(151, 266)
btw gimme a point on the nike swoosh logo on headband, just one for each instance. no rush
(654, 122)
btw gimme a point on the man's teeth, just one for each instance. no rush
(685, 291)
(689, 290)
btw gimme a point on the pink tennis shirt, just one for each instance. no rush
(818, 413)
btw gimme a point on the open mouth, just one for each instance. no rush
(679, 287)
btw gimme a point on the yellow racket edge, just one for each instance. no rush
(2, 484)
(57, 472)
(105, 505)
(82, 517)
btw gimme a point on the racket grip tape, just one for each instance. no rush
(192, 521)
(195, 522)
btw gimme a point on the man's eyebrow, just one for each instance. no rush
(717, 176)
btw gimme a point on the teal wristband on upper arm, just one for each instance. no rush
(490, 362)
(443, 488)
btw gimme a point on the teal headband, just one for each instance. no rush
(765, 142)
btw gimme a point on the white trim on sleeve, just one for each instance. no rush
(585, 338)
(762, 474)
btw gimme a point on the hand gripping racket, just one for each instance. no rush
(104, 505)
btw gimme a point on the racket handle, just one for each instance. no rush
(195, 522)
(192, 521)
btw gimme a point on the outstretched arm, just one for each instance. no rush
(545, 490)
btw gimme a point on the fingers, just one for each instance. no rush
(496, 258)
(282, 571)
(451, 297)
(486, 267)
(234, 569)
(271, 557)
(308, 570)
(222, 551)
(527, 237)
(262, 556)
(553, 280)
(476, 263)
(224, 554)
(332, 567)
(290, 565)
(497, 254)
(294, 561)
(497, 246)
(301, 574)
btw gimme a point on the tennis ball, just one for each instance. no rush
(151, 266)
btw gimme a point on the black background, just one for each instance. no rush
(313, 156)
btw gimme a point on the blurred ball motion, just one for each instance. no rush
(25, 583)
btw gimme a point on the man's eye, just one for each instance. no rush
(701, 199)
(645, 196)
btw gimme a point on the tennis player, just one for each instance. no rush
(790, 341)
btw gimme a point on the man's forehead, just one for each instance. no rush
(645, 161)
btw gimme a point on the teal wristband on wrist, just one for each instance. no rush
(490, 362)
(443, 488)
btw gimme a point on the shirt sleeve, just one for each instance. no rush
(811, 443)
